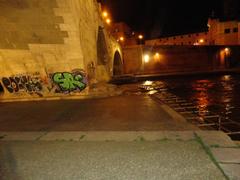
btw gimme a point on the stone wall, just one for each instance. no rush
(49, 48)
(175, 59)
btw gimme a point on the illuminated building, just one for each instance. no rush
(219, 33)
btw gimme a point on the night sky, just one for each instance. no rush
(156, 18)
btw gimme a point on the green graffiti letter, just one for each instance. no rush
(68, 82)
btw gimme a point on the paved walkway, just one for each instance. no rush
(124, 137)
(118, 155)
(121, 113)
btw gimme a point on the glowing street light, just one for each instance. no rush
(140, 37)
(121, 38)
(108, 21)
(201, 40)
(157, 56)
(105, 14)
(146, 58)
(227, 50)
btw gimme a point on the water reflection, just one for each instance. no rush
(201, 95)
(217, 95)
(227, 98)
(226, 77)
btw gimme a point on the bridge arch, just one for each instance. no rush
(117, 64)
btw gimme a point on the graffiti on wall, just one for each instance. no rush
(23, 83)
(75, 81)
(59, 82)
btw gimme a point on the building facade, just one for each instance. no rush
(219, 33)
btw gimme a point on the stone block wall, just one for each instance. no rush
(49, 48)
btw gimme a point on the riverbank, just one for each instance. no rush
(131, 78)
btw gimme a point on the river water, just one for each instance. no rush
(206, 96)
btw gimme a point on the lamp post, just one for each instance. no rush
(144, 58)
(140, 38)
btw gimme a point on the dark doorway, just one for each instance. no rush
(117, 64)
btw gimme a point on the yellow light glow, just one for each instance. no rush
(146, 58)
(226, 77)
(108, 21)
(201, 40)
(105, 14)
(140, 36)
(157, 56)
(122, 39)
(227, 50)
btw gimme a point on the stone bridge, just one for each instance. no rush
(54, 48)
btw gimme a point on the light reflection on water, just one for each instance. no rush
(217, 94)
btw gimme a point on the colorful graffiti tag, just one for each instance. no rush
(22, 83)
(74, 81)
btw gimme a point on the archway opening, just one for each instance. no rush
(117, 64)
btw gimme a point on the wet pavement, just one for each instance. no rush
(211, 101)
(120, 113)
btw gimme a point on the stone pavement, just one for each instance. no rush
(118, 155)
(123, 137)
(120, 113)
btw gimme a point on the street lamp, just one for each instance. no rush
(122, 38)
(105, 14)
(146, 58)
(201, 40)
(108, 21)
(227, 50)
(157, 56)
(140, 37)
